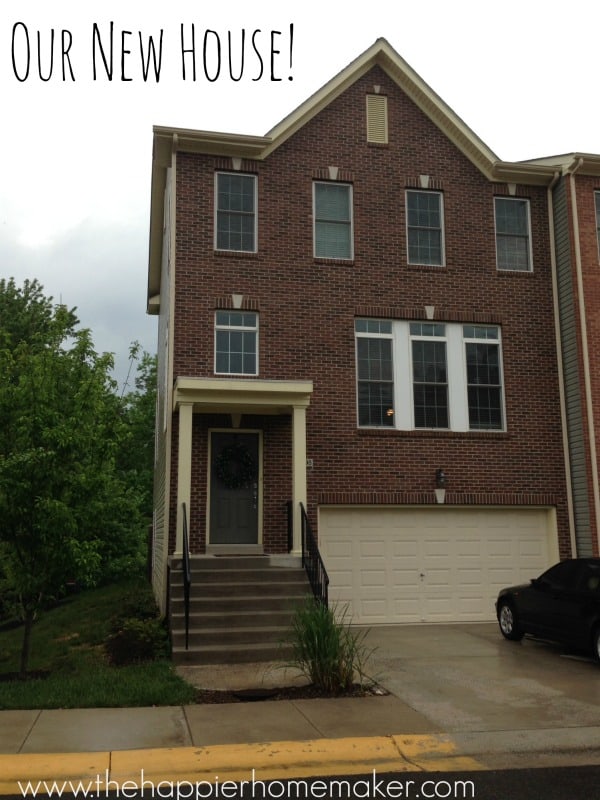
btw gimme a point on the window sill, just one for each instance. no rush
(512, 272)
(430, 267)
(430, 433)
(345, 262)
(236, 253)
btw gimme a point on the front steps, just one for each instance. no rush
(241, 608)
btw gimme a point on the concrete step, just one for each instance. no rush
(254, 575)
(252, 588)
(241, 609)
(231, 654)
(234, 619)
(218, 563)
(238, 604)
(229, 636)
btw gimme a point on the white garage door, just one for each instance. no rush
(434, 564)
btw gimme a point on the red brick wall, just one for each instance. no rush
(307, 309)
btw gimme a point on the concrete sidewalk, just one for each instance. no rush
(460, 698)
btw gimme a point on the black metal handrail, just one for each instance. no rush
(312, 561)
(290, 525)
(187, 575)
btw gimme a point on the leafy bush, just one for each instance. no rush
(139, 605)
(138, 640)
(326, 649)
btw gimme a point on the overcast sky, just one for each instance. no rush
(76, 146)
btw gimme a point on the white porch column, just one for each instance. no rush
(184, 470)
(299, 488)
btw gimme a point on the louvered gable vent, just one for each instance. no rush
(377, 126)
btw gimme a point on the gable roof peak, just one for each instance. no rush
(383, 55)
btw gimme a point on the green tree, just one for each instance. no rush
(65, 510)
(136, 457)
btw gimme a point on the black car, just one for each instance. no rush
(562, 605)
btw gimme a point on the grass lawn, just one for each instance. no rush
(68, 643)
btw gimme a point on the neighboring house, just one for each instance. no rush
(575, 232)
(357, 317)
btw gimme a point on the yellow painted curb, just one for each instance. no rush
(269, 760)
(59, 767)
(434, 753)
(133, 769)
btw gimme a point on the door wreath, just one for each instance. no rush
(234, 466)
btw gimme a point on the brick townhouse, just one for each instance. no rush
(358, 326)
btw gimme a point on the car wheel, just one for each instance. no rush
(509, 624)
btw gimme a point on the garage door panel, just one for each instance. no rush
(406, 548)
(466, 577)
(370, 578)
(431, 564)
(339, 548)
(404, 578)
(370, 548)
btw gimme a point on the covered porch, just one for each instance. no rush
(239, 398)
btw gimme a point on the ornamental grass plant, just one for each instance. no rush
(327, 650)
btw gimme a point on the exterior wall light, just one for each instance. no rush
(440, 485)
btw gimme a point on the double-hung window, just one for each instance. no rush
(429, 375)
(513, 236)
(597, 200)
(484, 384)
(424, 228)
(235, 203)
(236, 343)
(374, 364)
(332, 203)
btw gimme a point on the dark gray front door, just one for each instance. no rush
(234, 488)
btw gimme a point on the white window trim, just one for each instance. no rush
(243, 328)
(529, 242)
(351, 202)
(216, 207)
(442, 228)
(458, 394)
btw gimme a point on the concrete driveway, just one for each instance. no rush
(466, 678)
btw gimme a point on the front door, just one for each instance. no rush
(234, 488)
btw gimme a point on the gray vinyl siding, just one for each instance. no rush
(572, 377)
(160, 539)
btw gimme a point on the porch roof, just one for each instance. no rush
(241, 395)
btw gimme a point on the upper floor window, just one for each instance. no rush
(597, 199)
(484, 382)
(513, 237)
(374, 365)
(424, 228)
(333, 220)
(429, 375)
(235, 227)
(236, 343)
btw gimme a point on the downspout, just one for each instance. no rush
(561, 385)
(584, 346)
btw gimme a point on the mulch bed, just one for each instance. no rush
(309, 692)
